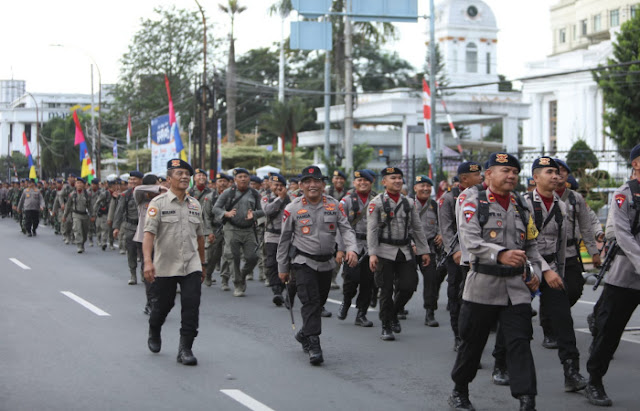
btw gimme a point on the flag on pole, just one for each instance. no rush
(129, 131)
(426, 111)
(32, 167)
(115, 149)
(454, 132)
(175, 128)
(87, 168)
(149, 137)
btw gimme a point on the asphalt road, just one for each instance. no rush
(57, 354)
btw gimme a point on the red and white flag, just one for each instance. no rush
(129, 132)
(426, 111)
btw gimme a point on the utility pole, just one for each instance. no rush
(327, 104)
(204, 94)
(432, 85)
(348, 98)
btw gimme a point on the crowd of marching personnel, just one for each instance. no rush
(498, 249)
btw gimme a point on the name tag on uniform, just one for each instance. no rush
(196, 213)
(168, 212)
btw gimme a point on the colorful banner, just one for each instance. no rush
(163, 147)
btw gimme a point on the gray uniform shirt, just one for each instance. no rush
(503, 231)
(211, 223)
(127, 211)
(312, 229)
(250, 201)
(429, 218)
(552, 239)
(625, 270)
(273, 207)
(142, 201)
(31, 199)
(583, 226)
(396, 227)
(349, 204)
(101, 203)
(79, 204)
(447, 221)
(4, 193)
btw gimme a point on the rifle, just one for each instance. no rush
(286, 290)
(612, 248)
(442, 262)
(529, 270)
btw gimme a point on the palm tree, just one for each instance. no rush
(276, 121)
(231, 8)
(299, 116)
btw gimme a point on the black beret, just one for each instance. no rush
(224, 177)
(456, 179)
(504, 159)
(562, 164)
(635, 153)
(279, 178)
(363, 174)
(312, 172)
(240, 170)
(469, 167)
(32, 180)
(95, 181)
(294, 180)
(573, 183)
(150, 179)
(544, 162)
(391, 170)
(81, 179)
(422, 179)
(73, 175)
(175, 163)
(531, 182)
(339, 173)
(200, 170)
(136, 174)
(255, 179)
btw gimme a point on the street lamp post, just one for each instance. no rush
(204, 94)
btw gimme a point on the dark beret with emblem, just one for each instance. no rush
(469, 167)
(200, 170)
(635, 153)
(240, 170)
(422, 179)
(572, 183)
(162, 177)
(504, 159)
(136, 174)
(178, 163)
(338, 173)
(224, 177)
(81, 179)
(32, 180)
(95, 181)
(373, 173)
(295, 180)
(561, 163)
(278, 178)
(312, 172)
(390, 171)
(255, 179)
(363, 174)
(544, 162)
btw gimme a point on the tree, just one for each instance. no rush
(232, 8)
(619, 88)
(581, 157)
(441, 69)
(58, 152)
(376, 69)
(7, 164)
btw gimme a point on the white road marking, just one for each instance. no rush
(19, 264)
(246, 400)
(86, 304)
(586, 302)
(330, 300)
(627, 339)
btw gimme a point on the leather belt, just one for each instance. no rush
(395, 242)
(273, 231)
(322, 258)
(497, 270)
(571, 243)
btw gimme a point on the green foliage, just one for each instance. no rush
(581, 157)
(595, 205)
(441, 72)
(141, 157)
(16, 159)
(620, 88)
(58, 152)
(375, 69)
(362, 155)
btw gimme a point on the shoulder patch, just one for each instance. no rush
(342, 210)
(441, 201)
(469, 211)
(152, 212)
(285, 215)
(372, 207)
(620, 198)
(461, 198)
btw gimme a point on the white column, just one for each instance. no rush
(407, 121)
(510, 134)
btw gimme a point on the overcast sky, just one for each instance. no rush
(103, 30)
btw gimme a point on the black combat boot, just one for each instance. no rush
(324, 313)
(596, 394)
(550, 342)
(315, 352)
(459, 400)
(185, 355)
(361, 319)
(387, 333)
(278, 300)
(303, 340)
(591, 322)
(527, 402)
(395, 326)
(573, 381)
(154, 342)
(500, 375)
(344, 308)
(430, 319)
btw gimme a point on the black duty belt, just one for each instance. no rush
(549, 258)
(134, 222)
(273, 231)
(239, 225)
(571, 243)
(395, 242)
(498, 270)
(361, 236)
(620, 252)
(80, 212)
(322, 258)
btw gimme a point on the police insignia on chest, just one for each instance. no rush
(499, 223)
(305, 229)
(493, 234)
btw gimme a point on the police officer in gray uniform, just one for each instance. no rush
(307, 244)
(238, 207)
(393, 222)
(213, 225)
(621, 294)
(78, 211)
(126, 216)
(499, 235)
(30, 204)
(94, 192)
(99, 212)
(273, 205)
(200, 188)
(549, 215)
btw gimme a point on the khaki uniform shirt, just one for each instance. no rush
(312, 229)
(552, 239)
(396, 229)
(625, 270)
(176, 226)
(101, 203)
(503, 231)
(583, 226)
(31, 199)
(273, 207)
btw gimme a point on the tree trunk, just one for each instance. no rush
(231, 93)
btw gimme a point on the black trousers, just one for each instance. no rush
(5, 208)
(515, 321)
(556, 320)
(359, 275)
(618, 304)
(271, 268)
(313, 289)
(165, 293)
(431, 282)
(401, 273)
(573, 279)
(31, 220)
(148, 287)
(455, 273)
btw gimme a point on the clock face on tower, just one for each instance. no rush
(472, 11)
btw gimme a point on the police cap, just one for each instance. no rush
(504, 159)
(544, 162)
(363, 174)
(255, 179)
(82, 180)
(95, 181)
(561, 163)
(391, 170)
(278, 178)
(240, 170)
(422, 179)
(312, 172)
(339, 173)
(572, 183)
(200, 170)
(136, 174)
(469, 167)
(635, 153)
(175, 163)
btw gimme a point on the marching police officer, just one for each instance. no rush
(78, 211)
(99, 212)
(621, 294)
(239, 207)
(392, 223)
(67, 189)
(173, 249)
(94, 192)
(355, 207)
(498, 233)
(255, 182)
(126, 217)
(213, 225)
(273, 205)
(307, 246)
(337, 190)
(199, 189)
(468, 175)
(30, 204)
(549, 214)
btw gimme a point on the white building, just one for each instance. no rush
(569, 107)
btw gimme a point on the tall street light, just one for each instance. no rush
(97, 149)
(204, 95)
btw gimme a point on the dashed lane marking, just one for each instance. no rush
(246, 400)
(86, 304)
(586, 302)
(19, 264)
(330, 300)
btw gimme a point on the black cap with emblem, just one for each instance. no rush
(469, 167)
(178, 163)
(635, 153)
(504, 159)
(311, 172)
(391, 170)
(200, 171)
(544, 162)
(240, 170)
(422, 179)
(363, 174)
(338, 173)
